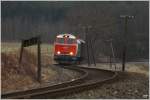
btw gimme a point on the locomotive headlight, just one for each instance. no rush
(71, 53)
(58, 52)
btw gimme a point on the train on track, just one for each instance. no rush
(68, 49)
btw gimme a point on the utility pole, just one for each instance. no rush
(91, 47)
(87, 45)
(126, 17)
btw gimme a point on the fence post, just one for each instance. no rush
(39, 61)
(21, 51)
(124, 58)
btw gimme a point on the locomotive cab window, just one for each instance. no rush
(60, 40)
(70, 41)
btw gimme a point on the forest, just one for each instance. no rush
(100, 20)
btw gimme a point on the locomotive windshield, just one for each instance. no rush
(67, 41)
(70, 41)
(60, 40)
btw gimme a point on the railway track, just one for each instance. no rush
(90, 78)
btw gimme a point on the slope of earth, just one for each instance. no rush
(17, 77)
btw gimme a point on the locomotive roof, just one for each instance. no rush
(68, 35)
(80, 41)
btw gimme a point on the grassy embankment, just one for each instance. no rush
(23, 75)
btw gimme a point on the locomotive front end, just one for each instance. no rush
(65, 48)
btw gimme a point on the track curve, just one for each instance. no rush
(90, 77)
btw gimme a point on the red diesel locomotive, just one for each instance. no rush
(68, 49)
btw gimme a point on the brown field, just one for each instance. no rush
(12, 47)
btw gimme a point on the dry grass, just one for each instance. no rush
(14, 73)
(24, 75)
(46, 51)
(12, 47)
(138, 67)
(17, 77)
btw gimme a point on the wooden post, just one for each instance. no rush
(39, 61)
(124, 58)
(21, 51)
(29, 42)
(110, 61)
(5, 56)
